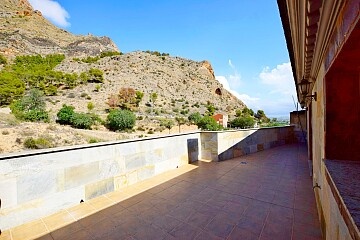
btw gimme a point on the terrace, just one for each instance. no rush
(263, 195)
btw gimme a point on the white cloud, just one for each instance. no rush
(280, 79)
(53, 11)
(234, 79)
(251, 102)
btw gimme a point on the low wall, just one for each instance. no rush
(219, 146)
(39, 183)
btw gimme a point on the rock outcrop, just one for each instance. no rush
(24, 30)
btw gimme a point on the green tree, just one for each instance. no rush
(180, 121)
(208, 123)
(121, 120)
(168, 123)
(261, 116)
(31, 107)
(243, 122)
(194, 118)
(11, 87)
(210, 110)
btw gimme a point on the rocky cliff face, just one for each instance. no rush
(24, 30)
(175, 80)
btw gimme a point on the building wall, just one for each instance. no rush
(298, 120)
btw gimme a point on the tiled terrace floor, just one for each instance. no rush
(266, 195)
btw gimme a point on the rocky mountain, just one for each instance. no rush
(24, 30)
(182, 86)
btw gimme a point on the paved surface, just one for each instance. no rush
(266, 195)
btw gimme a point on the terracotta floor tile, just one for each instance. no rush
(220, 227)
(254, 225)
(64, 232)
(276, 230)
(149, 232)
(101, 228)
(166, 222)
(45, 237)
(205, 235)
(185, 231)
(243, 234)
(182, 213)
(79, 235)
(199, 219)
(29, 231)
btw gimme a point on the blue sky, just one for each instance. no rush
(243, 40)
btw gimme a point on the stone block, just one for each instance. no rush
(36, 185)
(109, 168)
(155, 156)
(145, 173)
(99, 188)
(8, 193)
(81, 174)
(132, 177)
(120, 182)
(134, 161)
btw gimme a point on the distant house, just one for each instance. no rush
(221, 119)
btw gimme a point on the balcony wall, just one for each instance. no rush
(219, 146)
(38, 183)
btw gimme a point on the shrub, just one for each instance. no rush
(5, 132)
(64, 115)
(208, 123)
(38, 143)
(81, 120)
(109, 54)
(84, 77)
(90, 59)
(36, 115)
(90, 106)
(121, 120)
(94, 140)
(2, 59)
(96, 75)
(194, 118)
